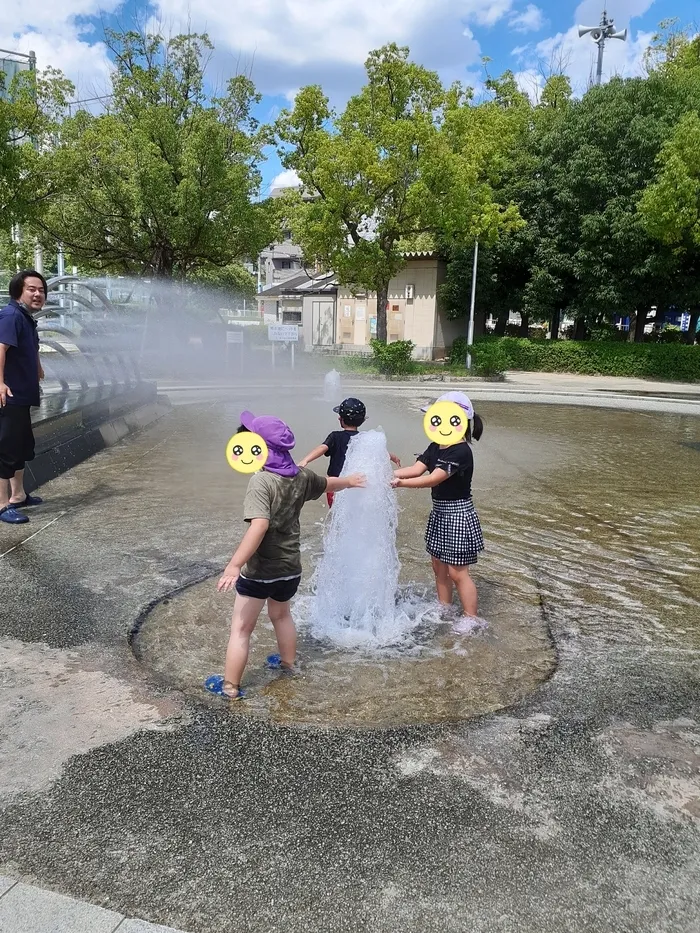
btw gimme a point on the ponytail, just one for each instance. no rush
(478, 428)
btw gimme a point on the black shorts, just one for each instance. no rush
(16, 439)
(279, 590)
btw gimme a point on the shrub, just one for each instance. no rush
(392, 359)
(592, 357)
(489, 359)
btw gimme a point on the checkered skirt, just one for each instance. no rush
(454, 532)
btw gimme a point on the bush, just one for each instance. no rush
(489, 360)
(591, 357)
(670, 334)
(392, 359)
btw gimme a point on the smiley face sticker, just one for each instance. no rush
(445, 423)
(246, 452)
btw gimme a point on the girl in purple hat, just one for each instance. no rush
(453, 537)
(267, 564)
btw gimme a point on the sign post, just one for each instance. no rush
(282, 333)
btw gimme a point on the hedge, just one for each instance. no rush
(591, 357)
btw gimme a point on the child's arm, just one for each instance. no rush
(250, 542)
(418, 469)
(421, 482)
(317, 452)
(336, 483)
(395, 459)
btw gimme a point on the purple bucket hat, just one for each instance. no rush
(279, 439)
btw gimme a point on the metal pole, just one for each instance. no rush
(599, 68)
(292, 354)
(470, 330)
(61, 266)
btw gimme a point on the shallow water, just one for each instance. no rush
(591, 526)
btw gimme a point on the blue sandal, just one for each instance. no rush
(215, 685)
(274, 663)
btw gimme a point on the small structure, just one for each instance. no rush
(335, 317)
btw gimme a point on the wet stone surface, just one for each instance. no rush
(576, 808)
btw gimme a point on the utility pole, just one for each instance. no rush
(599, 34)
(470, 329)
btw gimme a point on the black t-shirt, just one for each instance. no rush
(337, 444)
(456, 460)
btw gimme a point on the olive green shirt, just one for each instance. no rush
(279, 499)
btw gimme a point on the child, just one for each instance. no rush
(267, 563)
(351, 414)
(453, 537)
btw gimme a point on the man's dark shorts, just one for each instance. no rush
(279, 590)
(16, 439)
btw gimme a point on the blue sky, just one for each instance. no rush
(285, 44)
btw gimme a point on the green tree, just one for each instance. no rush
(670, 206)
(31, 106)
(163, 183)
(393, 166)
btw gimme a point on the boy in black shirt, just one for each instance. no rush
(351, 414)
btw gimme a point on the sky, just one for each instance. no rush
(286, 44)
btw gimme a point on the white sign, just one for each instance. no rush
(347, 311)
(283, 332)
(685, 322)
(234, 336)
(359, 314)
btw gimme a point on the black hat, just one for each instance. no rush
(352, 411)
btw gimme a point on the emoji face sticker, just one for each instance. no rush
(246, 452)
(445, 423)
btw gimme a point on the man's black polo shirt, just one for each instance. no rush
(18, 331)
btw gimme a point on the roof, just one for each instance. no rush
(301, 284)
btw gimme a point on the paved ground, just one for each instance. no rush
(27, 909)
(576, 810)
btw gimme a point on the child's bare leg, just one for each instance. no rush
(285, 632)
(466, 589)
(245, 615)
(443, 581)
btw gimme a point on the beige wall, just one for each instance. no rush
(415, 319)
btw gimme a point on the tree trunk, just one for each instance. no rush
(693, 325)
(382, 296)
(524, 325)
(580, 329)
(639, 325)
(554, 324)
(501, 323)
(479, 324)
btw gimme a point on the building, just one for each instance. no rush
(332, 316)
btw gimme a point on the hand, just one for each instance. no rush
(356, 481)
(41, 372)
(395, 459)
(303, 463)
(228, 579)
(395, 483)
(5, 393)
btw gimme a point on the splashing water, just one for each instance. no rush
(331, 386)
(356, 580)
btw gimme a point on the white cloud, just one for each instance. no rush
(286, 179)
(61, 38)
(291, 43)
(531, 19)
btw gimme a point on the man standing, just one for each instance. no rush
(20, 372)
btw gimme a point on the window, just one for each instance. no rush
(287, 234)
(291, 317)
(286, 264)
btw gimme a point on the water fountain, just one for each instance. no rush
(332, 387)
(356, 580)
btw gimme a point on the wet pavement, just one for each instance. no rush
(576, 807)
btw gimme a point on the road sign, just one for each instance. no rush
(234, 336)
(685, 322)
(287, 333)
